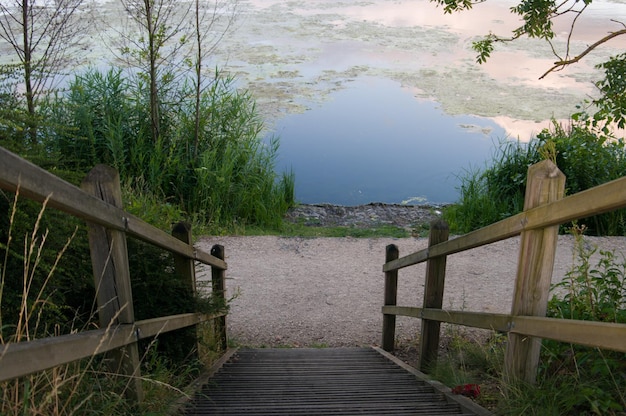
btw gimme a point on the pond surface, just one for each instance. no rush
(371, 99)
(374, 142)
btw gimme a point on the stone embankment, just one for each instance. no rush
(364, 216)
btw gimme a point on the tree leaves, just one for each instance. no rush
(484, 47)
(612, 104)
(450, 6)
(537, 16)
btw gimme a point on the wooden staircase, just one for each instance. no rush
(332, 381)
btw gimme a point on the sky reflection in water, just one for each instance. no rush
(374, 142)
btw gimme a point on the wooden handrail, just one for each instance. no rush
(603, 198)
(38, 184)
(607, 335)
(544, 210)
(24, 358)
(99, 204)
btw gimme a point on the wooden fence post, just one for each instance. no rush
(109, 257)
(391, 294)
(185, 267)
(433, 297)
(186, 272)
(545, 183)
(218, 286)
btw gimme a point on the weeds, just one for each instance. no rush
(52, 391)
(594, 292)
(572, 380)
(472, 358)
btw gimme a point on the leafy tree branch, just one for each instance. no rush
(538, 17)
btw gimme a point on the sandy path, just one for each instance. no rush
(329, 291)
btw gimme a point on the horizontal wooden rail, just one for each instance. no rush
(100, 205)
(38, 184)
(496, 322)
(603, 198)
(606, 335)
(23, 358)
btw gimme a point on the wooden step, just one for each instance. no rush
(329, 381)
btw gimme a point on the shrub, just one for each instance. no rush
(13, 117)
(573, 379)
(497, 192)
(30, 256)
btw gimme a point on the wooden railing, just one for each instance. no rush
(99, 204)
(544, 210)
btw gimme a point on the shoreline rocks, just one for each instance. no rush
(363, 216)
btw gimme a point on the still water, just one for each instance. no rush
(375, 142)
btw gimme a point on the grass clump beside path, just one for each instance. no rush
(307, 231)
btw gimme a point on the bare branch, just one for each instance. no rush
(563, 63)
(619, 23)
(571, 32)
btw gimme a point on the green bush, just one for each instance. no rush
(573, 379)
(13, 117)
(497, 192)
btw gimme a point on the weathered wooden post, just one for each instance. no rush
(109, 257)
(391, 294)
(185, 267)
(433, 296)
(186, 272)
(545, 184)
(218, 286)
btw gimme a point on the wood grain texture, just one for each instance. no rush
(109, 255)
(603, 335)
(545, 184)
(391, 295)
(38, 184)
(433, 297)
(25, 358)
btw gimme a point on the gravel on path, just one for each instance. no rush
(329, 291)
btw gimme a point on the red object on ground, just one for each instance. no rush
(468, 390)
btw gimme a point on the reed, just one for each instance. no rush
(220, 169)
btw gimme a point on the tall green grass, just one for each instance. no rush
(25, 316)
(497, 191)
(225, 173)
